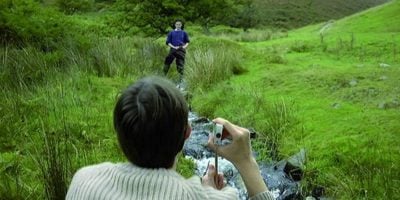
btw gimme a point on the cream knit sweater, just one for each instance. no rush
(127, 181)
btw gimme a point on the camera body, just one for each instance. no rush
(215, 130)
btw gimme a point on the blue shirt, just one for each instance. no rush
(177, 38)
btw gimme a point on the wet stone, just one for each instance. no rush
(282, 178)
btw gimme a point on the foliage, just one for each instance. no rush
(73, 6)
(300, 46)
(207, 12)
(246, 16)
(23, 68)
(10, 173)
(124, 56)
(347, 130)
(26, 21)
(291, 14)
(293, 93)
(185, 166)
(55, 163)
(211, 62)
(154, 17)
(272, 119)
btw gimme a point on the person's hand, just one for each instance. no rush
(239, 153)
(239, 150)
(212, 178)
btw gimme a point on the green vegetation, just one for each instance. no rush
(344, 95)
(331, 88)
(290, 14)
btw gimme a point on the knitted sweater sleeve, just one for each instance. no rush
(263, 196)
(207, 192)
(226, 193)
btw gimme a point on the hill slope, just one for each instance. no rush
(290, 14)
(343, 88)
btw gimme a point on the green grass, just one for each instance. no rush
(52, 130)
(346, 105)
(330, 97)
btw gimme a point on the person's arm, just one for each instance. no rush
(172, 46)
(185, 40)
(239, 153)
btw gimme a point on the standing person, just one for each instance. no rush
(151, 122)
(178, 41)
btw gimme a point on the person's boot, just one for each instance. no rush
(180, 78)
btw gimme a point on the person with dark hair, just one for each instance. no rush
(178, 41)
(151, 122)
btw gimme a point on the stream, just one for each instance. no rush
(282, 177)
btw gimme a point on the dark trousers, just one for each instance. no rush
(179, 56)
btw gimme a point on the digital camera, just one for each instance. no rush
(216, 130)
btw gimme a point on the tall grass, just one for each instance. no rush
(367, 179)
(56, 110)
(108, 57)
(54, 163)
(38, 120)
(123, 56)
(278, 121)
(11, 185)
(250, 35)
(208, 64)
(25, 67)
(271, 119)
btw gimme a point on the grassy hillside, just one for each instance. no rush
(337, 89)
(299, 13)
(331, 88)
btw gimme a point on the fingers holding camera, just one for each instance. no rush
(213, 179)
(240, 149)
(232, 129)
(239, 153)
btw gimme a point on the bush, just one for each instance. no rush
(72, 6)
(219, 30)
(23, 22)
(301, 47)
(277, 58)
(255, 36)
(276, 55)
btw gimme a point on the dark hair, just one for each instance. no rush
(178, 20)
(151, 118)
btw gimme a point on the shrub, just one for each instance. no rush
(219, 30)
(24, 21)
(255, 36)
(301, 47)
(72, 6)
(276, 55)
(277, 58)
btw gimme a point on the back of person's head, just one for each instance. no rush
(151, 118)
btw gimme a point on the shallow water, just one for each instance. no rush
(279, 183)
